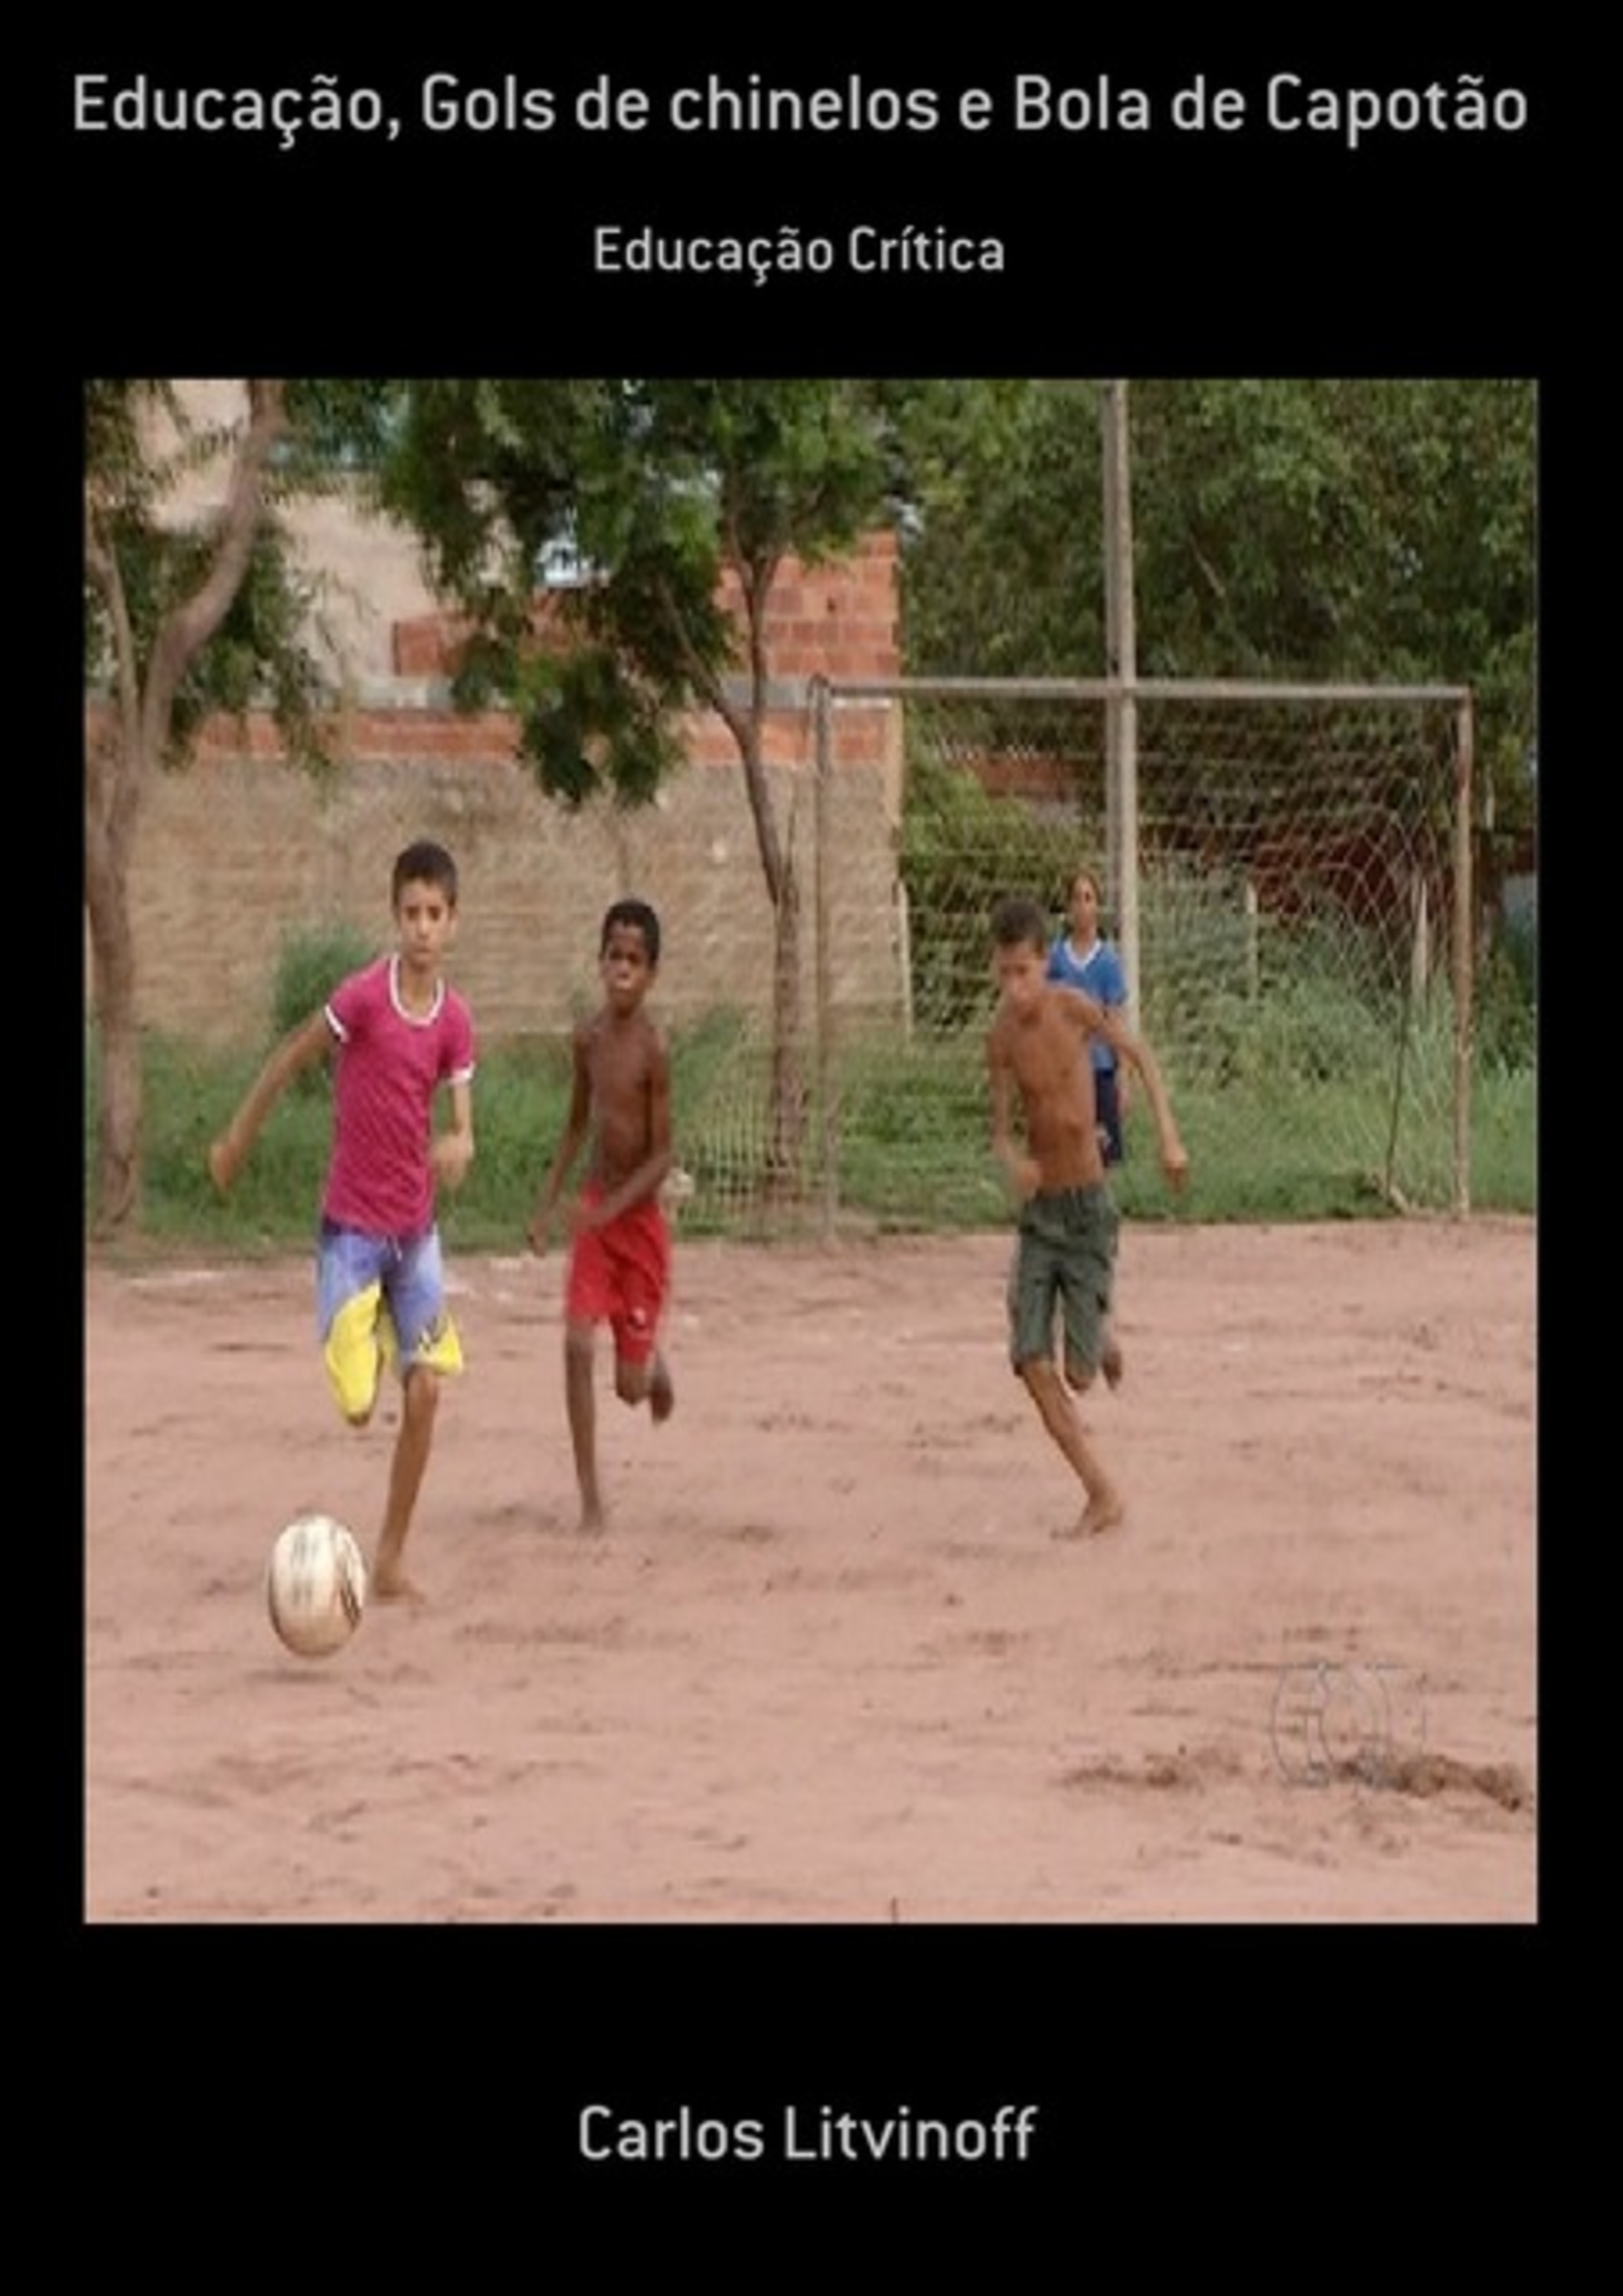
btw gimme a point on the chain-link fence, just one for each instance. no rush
(1286, 871)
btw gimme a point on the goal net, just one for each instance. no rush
(1285, 873)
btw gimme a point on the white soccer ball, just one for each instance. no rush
(315, 1585)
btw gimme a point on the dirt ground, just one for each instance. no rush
(830, 1661)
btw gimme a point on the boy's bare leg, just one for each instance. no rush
(1111, 1364)
(662, 1394)
(412, 1446)
(649, 1383)
(584, 1421)
(1105, 1506)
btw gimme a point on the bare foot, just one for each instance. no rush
(1111, 1364)
(389, 1584)
(1100, 1513)
(662, 1394)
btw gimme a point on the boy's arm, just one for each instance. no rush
(453, 1151)
(1124, 1090)
(568, 1148)
(1174, 1156)
(648, 1177)
(1114, 1002)
(1094, 1017)
(1019, 1168)
(1084, 1011)
(1114, 997)
(300, 1048)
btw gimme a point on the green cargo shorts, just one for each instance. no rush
(1065, 1258)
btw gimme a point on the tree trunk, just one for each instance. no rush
(785, 1129)
(787, 1109)
(786, 1134)
(118, 765)
(113, 951)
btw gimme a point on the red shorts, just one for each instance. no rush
(619, 1275)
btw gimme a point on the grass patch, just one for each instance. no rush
(913, 1148)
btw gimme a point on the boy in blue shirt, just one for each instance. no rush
(1082, 959)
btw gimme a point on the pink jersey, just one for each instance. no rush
(389, 1065)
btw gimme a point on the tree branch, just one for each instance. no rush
(102, 754)
(1214, 580)
(191, 625)
(744, 727)
(705, 683)
(757, 589)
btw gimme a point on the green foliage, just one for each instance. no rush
(340, 431)
(961, 848)
(656, 486)
(522, 1106)
(115, 459)
(1291, 528)
(1507, 998)
(659, 489)
(263, 655)
(1003, 568)
(588, 721)
(1504, 1137)
(1318, 1002)
(720, 1089)
(915, 1132)
(706, 1058)
(311, 964)
(914, 1142)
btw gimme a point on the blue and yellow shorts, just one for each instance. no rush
(380, 1300)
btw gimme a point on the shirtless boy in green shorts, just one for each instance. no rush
(1037, 1050)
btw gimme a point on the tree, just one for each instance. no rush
(1289, 527)
(1003, 562)
(661, 490)
(184, 615)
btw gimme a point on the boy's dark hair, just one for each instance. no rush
(1017, 921)
(632, 913)
(423, 863)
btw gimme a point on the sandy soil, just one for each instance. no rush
(830, 1661)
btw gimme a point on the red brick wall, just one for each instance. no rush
(243, 848)
(837, 621)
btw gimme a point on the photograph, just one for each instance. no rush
(829, 1283)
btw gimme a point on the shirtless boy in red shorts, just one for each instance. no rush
(619, 1252)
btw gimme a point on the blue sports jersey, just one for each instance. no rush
(1098, 975)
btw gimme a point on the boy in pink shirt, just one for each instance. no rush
(397, 1032)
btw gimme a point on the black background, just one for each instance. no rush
(1199, 2089)
(1152, 251)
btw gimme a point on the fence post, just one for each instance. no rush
(1121, 708)
(822, 705)
(1464, 948)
